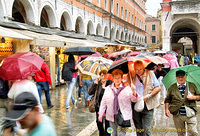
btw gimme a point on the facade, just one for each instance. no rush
(152, 31)
(180, 19)
(104, 21)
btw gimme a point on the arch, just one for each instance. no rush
(65, 21)
(133, 38)
(117, 35)
(98, 30)
(190, 28)
(90, 28)
(126, 37)
(112, 34)
(79, 25)
(2, 9)
(122, 36)
(47, 16)
(129, 38)
(23, 11)
(106, 33)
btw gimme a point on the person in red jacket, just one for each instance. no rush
(43, 80)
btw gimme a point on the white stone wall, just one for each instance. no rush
(71, 13)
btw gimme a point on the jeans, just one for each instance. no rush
(71, 85)
(143, 121)
(45, 86)
(102, 131)
(86, 86)
(58, 74)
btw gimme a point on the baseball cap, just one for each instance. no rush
(23, 103)
(180, 73)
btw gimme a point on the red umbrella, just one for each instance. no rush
(134, 53)
(20, 65)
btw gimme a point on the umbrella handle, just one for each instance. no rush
(130, 78)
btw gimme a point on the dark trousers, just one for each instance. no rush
(45, 86)
(102, 131)
(143, 121)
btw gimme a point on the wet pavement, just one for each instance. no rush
(79, 121)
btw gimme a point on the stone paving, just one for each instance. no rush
(70, 122)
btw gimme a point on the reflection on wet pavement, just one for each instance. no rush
(70, 122)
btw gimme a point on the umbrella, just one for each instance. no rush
(119, 64)
(93, 65)
(159, 52)
(126, 50)
(169, 57)
(115, 54)
(20, 65)
(193, 74)
(134, 53)
(97, 54)
(157, 60)
(79, 51)
(172, 52)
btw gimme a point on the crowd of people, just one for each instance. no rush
(115, 100)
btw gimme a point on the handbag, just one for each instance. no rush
(139, 105)
(92, 105)
(121, 122)
(189, 111)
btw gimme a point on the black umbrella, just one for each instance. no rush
(79, 51)
(119, 64)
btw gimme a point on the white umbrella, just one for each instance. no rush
(159, 52)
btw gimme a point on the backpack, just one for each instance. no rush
(67, 71)
(4, 88)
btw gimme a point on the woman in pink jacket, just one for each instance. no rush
(117, 98)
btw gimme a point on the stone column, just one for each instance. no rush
(166, 43)
(52, 65)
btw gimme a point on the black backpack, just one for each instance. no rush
(4, 88)
(67, 71)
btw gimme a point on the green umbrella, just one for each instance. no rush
(193, 75)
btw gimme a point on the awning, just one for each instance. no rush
(40, 39)
(5, 32)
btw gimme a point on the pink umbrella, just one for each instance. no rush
(115, 54)
(169, 57)
(20, 65)
(134, 53)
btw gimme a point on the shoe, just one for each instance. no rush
(49, 107)
(75, 102)
(86, 105)
(67, 107)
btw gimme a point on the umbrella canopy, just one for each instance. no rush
(93, 65)
(79, 51)
(97, 54)
(157, 60)
(20, 65)
(115, 54)
(134, 53)
(119, 64)
(169, 57)
(172, 52)
(193, 74)
(159, 52)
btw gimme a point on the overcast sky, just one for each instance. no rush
(152, 7)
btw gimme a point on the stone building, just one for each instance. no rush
(180, 19)
(152, 31)
(58, 23)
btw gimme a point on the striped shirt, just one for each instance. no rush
(181, 88)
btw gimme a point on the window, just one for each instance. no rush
(117, 9)
(98, 3)
(145, 39)
(126, 14)
(106, 5)
(122, 13)
(129, 17)
(153, 27)
(112, 6)
(153, 39)
(133, 19)
(145, 28)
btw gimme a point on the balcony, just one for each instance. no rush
(185, 7)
